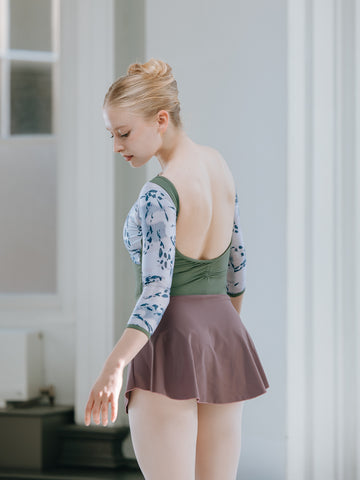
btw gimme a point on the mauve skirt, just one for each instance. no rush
(200, 349)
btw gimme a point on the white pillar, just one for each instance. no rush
(297, 447)
(95, 196)
(357, 228)
(322, 245)
(323, 241)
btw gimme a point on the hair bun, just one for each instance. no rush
(146, 89)
(152, 68)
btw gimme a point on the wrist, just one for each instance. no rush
(115, 364)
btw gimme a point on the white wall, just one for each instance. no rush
(229, 60)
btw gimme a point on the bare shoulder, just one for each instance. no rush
(212, 151)
(218, 156)
(210, 172)
(222, 169)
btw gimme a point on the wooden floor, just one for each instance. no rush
(71, 474)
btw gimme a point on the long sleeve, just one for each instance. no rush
(157, 215)
(236, 275)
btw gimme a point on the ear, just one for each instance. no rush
(162, 120)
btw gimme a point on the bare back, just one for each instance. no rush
(207, 200)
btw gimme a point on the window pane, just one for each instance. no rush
(31, 102)
(28, 217)
(30, 25)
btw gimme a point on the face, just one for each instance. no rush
(133, 135)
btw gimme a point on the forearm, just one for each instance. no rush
(127, 347)
(237, 301)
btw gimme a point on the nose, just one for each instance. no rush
(118, 147)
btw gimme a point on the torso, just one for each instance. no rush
(207, 199)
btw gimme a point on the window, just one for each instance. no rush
(29, 31)
(28, 60)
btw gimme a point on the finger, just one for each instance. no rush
(114, 407)
(104, 411)
(88, 409)
(96, 409)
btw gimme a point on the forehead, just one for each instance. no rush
(118, 118)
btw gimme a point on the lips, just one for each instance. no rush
(128, 157)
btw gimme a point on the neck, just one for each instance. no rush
(175, 142)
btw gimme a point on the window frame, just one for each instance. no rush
(7, 55)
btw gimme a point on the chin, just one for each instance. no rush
(139, 164)
(135, 166)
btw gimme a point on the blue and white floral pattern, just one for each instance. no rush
(149, 235)
(132, 235)
(236, 275)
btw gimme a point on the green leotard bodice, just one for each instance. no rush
(191, 276)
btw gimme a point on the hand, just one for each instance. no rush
(106, 390)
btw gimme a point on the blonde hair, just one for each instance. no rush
(146, 89)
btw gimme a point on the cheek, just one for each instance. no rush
(148, 140)
(144, 142)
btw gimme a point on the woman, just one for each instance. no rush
(192, 363)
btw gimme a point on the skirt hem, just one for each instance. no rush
(241, 398)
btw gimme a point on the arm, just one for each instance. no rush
(236, 276)
(157, 213)
(107, 387)
(237, 301)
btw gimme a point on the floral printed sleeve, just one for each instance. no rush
(236, 275)
(157, 217)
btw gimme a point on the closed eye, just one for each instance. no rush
(125, 135)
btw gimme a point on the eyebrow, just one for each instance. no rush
(120, 126)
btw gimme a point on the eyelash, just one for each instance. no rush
(125, 135)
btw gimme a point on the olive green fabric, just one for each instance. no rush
(191, 276)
